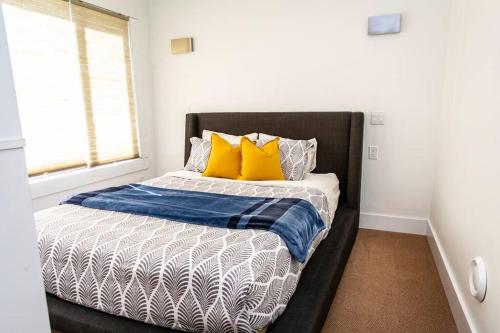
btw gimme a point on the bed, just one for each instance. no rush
(307, 299)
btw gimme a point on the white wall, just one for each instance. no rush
(139, 36)
(297, 55)
(466, 200)
(22, 306)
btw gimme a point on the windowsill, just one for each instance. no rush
(59, 182)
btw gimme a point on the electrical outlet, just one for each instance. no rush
(377, 118)
(373, 152)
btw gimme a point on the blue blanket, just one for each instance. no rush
(296, 221)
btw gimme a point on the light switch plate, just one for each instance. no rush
(377, 118)
(373, 152)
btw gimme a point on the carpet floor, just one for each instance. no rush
(390, 284)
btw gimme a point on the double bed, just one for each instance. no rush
(117, 272)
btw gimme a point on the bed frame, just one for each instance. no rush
(340, 147)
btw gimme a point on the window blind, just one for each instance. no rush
(73, 78)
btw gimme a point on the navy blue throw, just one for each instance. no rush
(296, 221)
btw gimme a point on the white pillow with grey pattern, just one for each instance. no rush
(200, 152)
(311, 153)
(232, 139)
(294, 155)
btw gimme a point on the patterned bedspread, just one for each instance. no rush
(184, 276)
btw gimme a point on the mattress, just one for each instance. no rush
(183, 276)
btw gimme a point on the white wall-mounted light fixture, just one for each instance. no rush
(384, 24)
(478, 278)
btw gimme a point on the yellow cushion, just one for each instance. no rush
(224, 160)
(260, 163)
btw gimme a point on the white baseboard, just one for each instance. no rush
(462, 317)
(408, 225)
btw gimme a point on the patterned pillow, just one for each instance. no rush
(311, 151)
(293, 157)
(311, 156)
(200, 152)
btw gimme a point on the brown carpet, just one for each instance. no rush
(390, 284)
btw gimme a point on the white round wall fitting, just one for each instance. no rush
(478, 278)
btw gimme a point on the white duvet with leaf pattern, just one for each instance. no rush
(173, 274)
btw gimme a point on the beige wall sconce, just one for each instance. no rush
(181, 45)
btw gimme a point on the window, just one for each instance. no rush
(73, 78)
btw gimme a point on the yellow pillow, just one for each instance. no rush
(260, 163)
(224, 160)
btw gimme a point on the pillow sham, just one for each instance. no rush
(232, 139)
(224, 160)
(260, 163)
(293, 156)
(311, 153)
(198, 157)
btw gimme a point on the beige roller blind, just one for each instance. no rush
(73, 78)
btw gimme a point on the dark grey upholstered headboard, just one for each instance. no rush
(339, 135)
